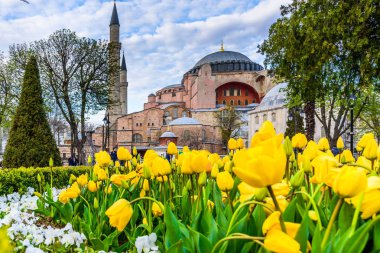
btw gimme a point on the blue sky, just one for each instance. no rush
(161, 39)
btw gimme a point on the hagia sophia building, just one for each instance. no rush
(183, 112)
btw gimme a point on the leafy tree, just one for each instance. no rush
(326, 50)
(30, 142)
(228, 119)
(74, 71)
(369, 118)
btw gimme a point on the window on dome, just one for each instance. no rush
(173, 94)
(148, 124)
(225, 93)
(238, 92)
(246, 102)
(184, 114)
(239, 102)
(224, 102)
(246, 93)
(152, 124)
(231, 91)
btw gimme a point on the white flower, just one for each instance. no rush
(147, 243)
(32, 249)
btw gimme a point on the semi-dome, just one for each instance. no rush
(168, 135)
(274, 98)
(184, 121)
(227, 61)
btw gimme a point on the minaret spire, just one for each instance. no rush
(115, 16)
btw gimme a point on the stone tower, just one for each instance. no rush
(114, 105)
(123, 87)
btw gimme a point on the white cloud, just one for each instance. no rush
(161, 40)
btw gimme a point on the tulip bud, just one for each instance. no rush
(51, 162)
(145, 221)
(72, 179)
(370, 150)
(124, 184)
(134, 151)
(147, 172)
(202, 178)
(261, 194)
(38, 194)
(134, 161)
(297, 179)
(96, 203)
(188, 184)
(304, 196)
(306, 165)
(117, 164)
(214, 170)
(288, 147)
(39, 178)
(89, 160)
(340, 143)
(228, 166)
(146, 185)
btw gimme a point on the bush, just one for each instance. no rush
(18, 180)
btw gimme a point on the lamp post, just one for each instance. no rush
(106, 140)
(352, 104)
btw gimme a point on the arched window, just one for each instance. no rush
(137, 138)
(184, 114)
(273, 117)
(239, 102)
(175, 112)
(231, 102)
(246, 102)
(265, 117)
(224, 102)
(257, 120)
(224, 92)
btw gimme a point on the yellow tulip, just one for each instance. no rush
(186, 149)
(340, 143)
(186, 163)
(322, 164)
(146, 185)
(82, 180)
(156, 210)
(119, 214)
(273, 223)
(92, 187)
(71, 193)
(262, 165)
(378, 153)
(247, 192)
(161, 167)
(200, 163)
(362, 161)
(282, 202)
(102, 175)
(172, 149)
(323, 144)
(224, 181)
(278, 241)
(214, 170)
(108, 190)
(265, 132)
(299, 141)
(312, 215)
(134, 151)
(349, 182)
(232, 144)
(370, 150)
(346, 157)
(311, 150)
(118, 178)
(362, 143)
(240, 143)
(281, 188)
(123, 154)
(103, 158)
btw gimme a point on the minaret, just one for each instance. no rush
(114, 108)
(123, 87)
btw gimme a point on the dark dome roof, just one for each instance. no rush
(222, 56)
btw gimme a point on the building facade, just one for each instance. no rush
(186, 109)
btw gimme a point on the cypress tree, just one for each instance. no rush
(30, 143)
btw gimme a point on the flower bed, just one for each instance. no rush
(279, 195)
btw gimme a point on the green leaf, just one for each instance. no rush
(376, 236)
(303, 233)
(290, 211)
(175, 248)
(172, 235)
(358, 239)
(346, 215)
(201, 243)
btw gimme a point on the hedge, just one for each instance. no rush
(18, 180)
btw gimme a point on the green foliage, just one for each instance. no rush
(294, 126)
(18, 180)
(30, 142)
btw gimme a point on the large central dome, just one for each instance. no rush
(222, 56)
(226, 61)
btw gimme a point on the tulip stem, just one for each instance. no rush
(331, 222)
(238, 236)
(287, 169)
(282, 223)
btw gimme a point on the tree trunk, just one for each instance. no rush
(310, 119)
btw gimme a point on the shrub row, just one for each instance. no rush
(18, 180)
